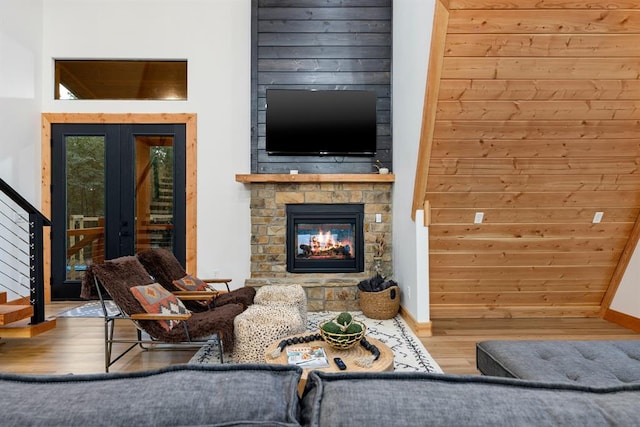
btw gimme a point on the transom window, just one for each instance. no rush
(121, 79)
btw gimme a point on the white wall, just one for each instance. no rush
(215, 37)
(20, 53)
(412, 24)
(627, 299)
(20, 99)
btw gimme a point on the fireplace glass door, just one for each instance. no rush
(324, 241)
(325, 238)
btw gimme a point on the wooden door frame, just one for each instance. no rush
(188, 119)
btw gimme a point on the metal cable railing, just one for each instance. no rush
(14, 251)
(21, 250)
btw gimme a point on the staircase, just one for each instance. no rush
(21, 267)
(159, 229)
(15, 319)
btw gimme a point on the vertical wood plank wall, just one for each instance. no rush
(321, 44)
(538, 127)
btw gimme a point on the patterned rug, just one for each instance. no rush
(90, 309)
(409, 353)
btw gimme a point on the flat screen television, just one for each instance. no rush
(321, 122)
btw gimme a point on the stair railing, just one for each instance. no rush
(21, 249)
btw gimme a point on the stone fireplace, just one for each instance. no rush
(270, 196)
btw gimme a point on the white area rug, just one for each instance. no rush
(409, 353)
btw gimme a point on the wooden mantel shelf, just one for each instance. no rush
(314, 177)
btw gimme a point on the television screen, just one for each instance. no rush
(321, 122)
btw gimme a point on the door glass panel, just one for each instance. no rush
(154, 192)
(85, 203)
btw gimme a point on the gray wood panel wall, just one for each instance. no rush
(321, 44)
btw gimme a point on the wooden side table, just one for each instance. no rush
(349, 356)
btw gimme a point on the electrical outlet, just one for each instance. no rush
(478, 218)
(597, 217)
(378, 217)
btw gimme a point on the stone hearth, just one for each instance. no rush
(325, 291)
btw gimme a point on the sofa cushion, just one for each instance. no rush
(594, 363)
(178, 395)
(420, 399)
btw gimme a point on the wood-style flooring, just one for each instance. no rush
(453, 342)
(76, 345)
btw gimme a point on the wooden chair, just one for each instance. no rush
(116, 277)
(164, 267)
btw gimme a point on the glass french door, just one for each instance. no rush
(116, 189)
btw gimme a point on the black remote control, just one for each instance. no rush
(340, 363)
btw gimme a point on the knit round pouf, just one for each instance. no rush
(260, 325)
(287, 295)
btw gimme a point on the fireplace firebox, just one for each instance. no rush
(325, 238)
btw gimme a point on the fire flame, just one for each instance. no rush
(325, 241)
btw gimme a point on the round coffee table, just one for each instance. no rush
(349, 356)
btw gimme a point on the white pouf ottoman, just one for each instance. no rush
(260, 325)
(286, 295)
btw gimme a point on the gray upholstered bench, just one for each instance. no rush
(589, 363)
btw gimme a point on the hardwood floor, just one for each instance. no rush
(76, 345)
(453, 342)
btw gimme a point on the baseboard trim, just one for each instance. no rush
(622, 319)
(420, 329)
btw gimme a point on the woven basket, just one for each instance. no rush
(343, 341)
(380, 305)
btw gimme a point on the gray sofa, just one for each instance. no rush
(234, 395)
(592, 363)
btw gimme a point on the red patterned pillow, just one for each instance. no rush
(191, 283)
(157, 300)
